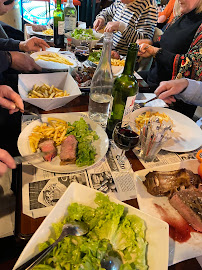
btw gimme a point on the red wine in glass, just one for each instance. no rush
(81, 53)
(124, 138)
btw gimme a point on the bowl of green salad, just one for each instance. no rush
(84, 35)
(141, 240)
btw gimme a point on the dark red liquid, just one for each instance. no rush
(81, 56)
(179, 229)
(125, 139)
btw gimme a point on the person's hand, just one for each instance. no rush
(6, 161)
(168, 89)
(33, 44)
(112, 26)
(98, 24)
(146, 50)
(144, 40)
(23, 62)
(5, 8)
(161, 19)
(10, 100)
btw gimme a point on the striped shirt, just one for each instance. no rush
(140, 18)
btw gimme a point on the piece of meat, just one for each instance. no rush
(188, 203)
(68, 150)
(48, 146)
(115, 55)
(166, 183)
(38, 28)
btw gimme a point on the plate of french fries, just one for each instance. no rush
(186, 135)
(46, 91)
(53, 61)
(54, 127)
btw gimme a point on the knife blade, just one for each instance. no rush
(20, 159)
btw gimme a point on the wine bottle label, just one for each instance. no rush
(70, 23)
(128, 110)
(60, 27)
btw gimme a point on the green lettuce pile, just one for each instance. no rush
(83, 34)
(85, 150)
(110, 228)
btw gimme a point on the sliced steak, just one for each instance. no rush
(166, 183)
(188, 203)
(68, 150)
(38, 28)
(48, 146)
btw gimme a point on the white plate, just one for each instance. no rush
(156, 232)
(53, 66)
(187, 136)
(177, 251)
(30, 31)
(101, 144)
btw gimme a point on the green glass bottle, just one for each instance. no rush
(58, 22)
(125, 85)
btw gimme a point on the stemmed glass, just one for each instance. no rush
(124, 139)
(81, 53)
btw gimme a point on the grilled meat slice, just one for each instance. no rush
(166, 183)
(38, 28)
(68, 150)
(188, 203)
(48, 146)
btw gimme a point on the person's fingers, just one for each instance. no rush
(37, 67)
(7, 159)
(3, 168)
(10, 99)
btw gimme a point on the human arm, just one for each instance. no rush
(190, 91)
(10, 100)
(5, 8)
(33, 44)
(167, 12)
(6, 161)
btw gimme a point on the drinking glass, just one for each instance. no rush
(124, 139)
(82, 53)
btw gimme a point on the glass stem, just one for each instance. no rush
(122, 155)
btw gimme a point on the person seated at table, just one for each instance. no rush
(166, 16)
(5, 29)
(178, 52)
(190, 91)
(129, 20)
(10, 100)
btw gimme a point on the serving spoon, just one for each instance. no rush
(76, 228)
(111, 261)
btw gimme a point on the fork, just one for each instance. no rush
(38, 115)
(142, 104)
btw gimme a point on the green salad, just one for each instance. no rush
(95, 56)
(83, 34)
(109, 228)
(85, 150)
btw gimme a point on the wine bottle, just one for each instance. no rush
(70, 16)
(101, 85)
(58, 22)
(125, 85)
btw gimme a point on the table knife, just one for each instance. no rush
(20, 159)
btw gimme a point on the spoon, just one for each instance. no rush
(111, 261)
(76, 228)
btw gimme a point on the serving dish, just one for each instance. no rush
(156, 232)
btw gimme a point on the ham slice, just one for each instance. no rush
(68, 150)
(48, 146)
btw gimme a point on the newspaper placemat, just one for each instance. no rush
(41, 189)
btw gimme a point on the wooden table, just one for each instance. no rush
(26, 226)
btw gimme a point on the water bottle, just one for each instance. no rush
(101, 85)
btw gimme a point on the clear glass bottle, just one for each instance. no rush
(125, 85)
(58, 24)
(101, 85)
(70, 16)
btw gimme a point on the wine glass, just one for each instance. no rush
(82, 53)
(124, 139)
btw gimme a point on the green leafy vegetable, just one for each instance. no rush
(83, 34)
(109, 228)
(95, 56)
(85, 150)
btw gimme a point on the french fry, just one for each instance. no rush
(54, 57)
(46, 91)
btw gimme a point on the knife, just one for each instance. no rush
(20, 159)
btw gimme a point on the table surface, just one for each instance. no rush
(26, 226)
